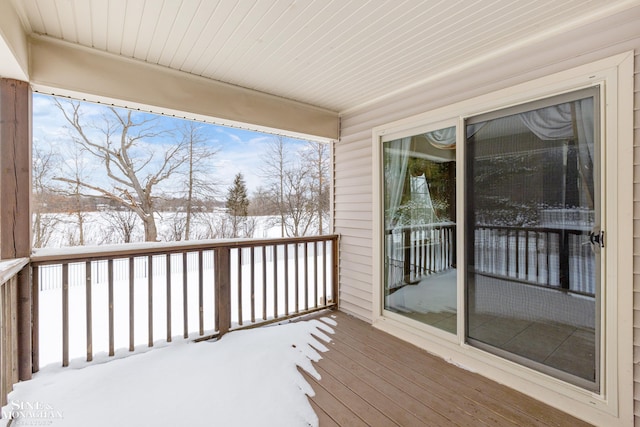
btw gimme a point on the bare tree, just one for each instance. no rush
(43, 223)
(176, 224)
(274, 171)
(132, 169)
(317, 162)
(200, 182)
(261, 203)
(298, 202)
(74, 168)
(214, 226)
(123, 225)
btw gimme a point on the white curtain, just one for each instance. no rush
(442, 138)
(572, 120)
(394, 177)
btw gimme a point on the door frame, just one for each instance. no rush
(613, 405)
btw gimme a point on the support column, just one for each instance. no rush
(15, 194)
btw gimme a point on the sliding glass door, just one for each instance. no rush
(530, 243)
(533, 240)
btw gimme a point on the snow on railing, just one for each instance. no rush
(98, 299)
(9, 357)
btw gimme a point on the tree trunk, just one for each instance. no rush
(150, 230)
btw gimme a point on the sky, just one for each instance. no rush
(239, 150)
(247, 378)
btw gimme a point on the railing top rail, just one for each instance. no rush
(11, 267)
(447, 224)
(88, 253)
(569, 228)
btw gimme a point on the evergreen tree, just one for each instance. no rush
(237, 204)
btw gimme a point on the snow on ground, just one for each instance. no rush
(248, 378)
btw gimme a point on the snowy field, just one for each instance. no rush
(105, 227)
(248, 378)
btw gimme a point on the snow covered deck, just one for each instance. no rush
(356, 376)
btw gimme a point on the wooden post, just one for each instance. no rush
(223, 289)
(15, 193)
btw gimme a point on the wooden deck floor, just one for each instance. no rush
(370, 378)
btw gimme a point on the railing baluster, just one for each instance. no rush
(297, 277)
(35, 329)
(432, 252)
(517, 257)
(132, 279)
(286, 279)
(185, 303)
(548, 253)
(253, 285)
(240, 286)
(419, 251)
(324, 272)
(306, 279)
(316, 281)
(168, 272)
(275, 281)
(200, 294)
(5, 351)
(87, 284)
(110, 284)
(526, 256)
(150, 299)
(443, 249)
(264, 283)
(65, 314)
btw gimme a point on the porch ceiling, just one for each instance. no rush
(335, 54)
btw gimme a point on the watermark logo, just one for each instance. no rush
(24, 413)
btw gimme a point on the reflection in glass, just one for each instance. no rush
(419, 228)
(532, 200)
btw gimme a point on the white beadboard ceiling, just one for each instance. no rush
(335, 54)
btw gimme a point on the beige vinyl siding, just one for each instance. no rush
(354, 198)
(352, 194)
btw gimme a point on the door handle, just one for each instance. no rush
(596, 238)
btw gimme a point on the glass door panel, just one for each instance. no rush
(419, 228)
(532, 235)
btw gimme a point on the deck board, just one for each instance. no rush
(371, 378)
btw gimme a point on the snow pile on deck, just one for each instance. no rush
(248, 378)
